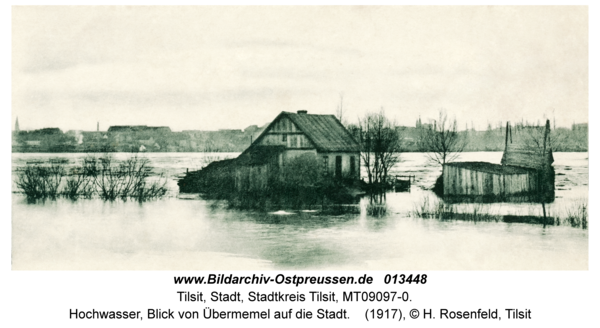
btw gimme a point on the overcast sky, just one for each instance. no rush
(230, 67)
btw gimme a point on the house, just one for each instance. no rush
(526, 172)
(291, 138)
(291, 135)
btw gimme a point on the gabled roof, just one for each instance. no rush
(324, 131)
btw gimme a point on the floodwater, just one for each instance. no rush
(195, 234)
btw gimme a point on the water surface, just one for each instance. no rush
(184, 234)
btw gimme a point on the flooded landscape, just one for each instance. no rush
(187, 232)
(300, 165)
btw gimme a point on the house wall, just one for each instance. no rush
(346, 166)
(295, 140)
(285, 133)
(256, 177)
(289, 154)
(284, 124)
(464, 181)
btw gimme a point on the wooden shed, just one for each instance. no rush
(487, 179)
(255, 167)
(526, 172)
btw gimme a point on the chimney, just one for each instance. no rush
(303, 111)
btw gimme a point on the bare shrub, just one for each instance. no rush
(436, 209)
(40, 181)
(126, 179)
(381, 145)
(441, 142)
(78, 184)
(96, 176)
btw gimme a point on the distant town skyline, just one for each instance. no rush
(210, 68)
(16, 126)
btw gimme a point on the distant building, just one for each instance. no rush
(47, 131)
(17, 129)
(251, 128)
(580, 127)
(138, 128)
(421, 125)
(230, 130)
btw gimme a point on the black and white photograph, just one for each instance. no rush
(299, 138)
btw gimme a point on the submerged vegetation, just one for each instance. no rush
(300, 185)
(428, 208)
(40, 181)
(102, 177)
(576, 216)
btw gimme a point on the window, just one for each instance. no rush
(325, 164)
(352, 166)
(284, 137)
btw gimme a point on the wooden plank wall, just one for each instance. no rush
(524, 156)
(293, 140)
(464, 181)
(251, 178)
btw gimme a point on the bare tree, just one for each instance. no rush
(381, 145)
(441, 141)
(364, 136)
(540, 139)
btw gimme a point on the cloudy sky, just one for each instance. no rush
(230, 67)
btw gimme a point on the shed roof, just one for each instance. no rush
(528, 146)
(259, 155)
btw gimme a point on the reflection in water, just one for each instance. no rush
(172, 233)
(178, 234)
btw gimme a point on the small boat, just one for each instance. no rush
(402, 183)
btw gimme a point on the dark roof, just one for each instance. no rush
(324, 131)
(259, 155)
(217, 165)
(490, 168)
